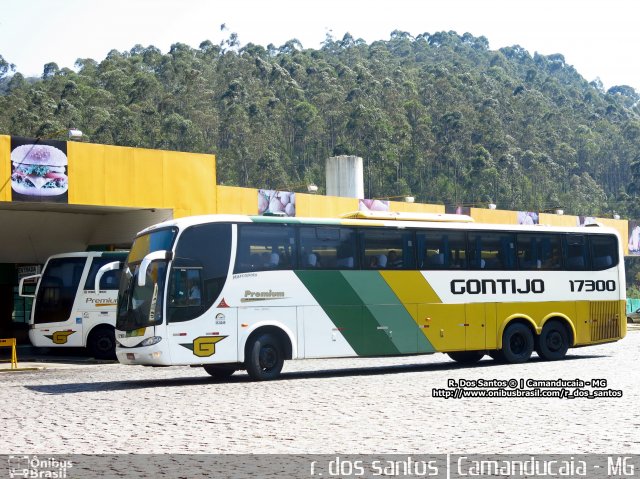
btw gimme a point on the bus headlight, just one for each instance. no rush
(151, 341)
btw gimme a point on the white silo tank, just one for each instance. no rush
(345, 176)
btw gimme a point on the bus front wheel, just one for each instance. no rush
(102, 343)
(264, 359)
(553, 341)
(219, 373)
(466, 357)
(517, 343)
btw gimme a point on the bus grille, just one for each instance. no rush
(605, 320)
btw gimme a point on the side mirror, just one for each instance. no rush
(147, 260)
(33, 277)
(104, 269)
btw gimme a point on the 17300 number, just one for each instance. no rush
(589, 285)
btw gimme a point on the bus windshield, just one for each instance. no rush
(141, 306)
(57, 289)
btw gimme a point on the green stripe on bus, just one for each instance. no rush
(390, 313)
(346, 309)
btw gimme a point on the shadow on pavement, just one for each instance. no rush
(31, 354)
(72, 388)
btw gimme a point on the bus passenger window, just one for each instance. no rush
(327, 247)
(264, 247)
(441, 249)
(312, 261)
(604, 251)
(387, 248)
(576, 252)
(495, 251)
(539, 251)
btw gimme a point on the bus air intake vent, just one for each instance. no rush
(605, 320)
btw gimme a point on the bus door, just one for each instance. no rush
(193, 329)
(55, 319)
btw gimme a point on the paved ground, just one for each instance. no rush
(319, 406)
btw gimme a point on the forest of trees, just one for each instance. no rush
(438, 116)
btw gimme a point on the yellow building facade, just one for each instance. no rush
(113, 192)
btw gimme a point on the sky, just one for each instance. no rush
(599, 38)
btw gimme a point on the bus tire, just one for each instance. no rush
(466, 357)
(102, 342)
(219, 373)
(553, 342)
(517, 343)
(264, 358)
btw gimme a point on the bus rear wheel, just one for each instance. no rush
(553, 341)
(517, 343)
(264, 359)
(466, 357)
(102, 343)
(219, 373)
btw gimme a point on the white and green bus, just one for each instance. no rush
(248, 292)
(70, 308)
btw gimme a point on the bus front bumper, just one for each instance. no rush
(150, 355)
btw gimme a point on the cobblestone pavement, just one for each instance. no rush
(321, 406)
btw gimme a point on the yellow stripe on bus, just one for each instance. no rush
(410, 287)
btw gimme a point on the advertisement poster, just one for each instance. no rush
(586, 220)
(373, 205)
(634, 238)
(457, 210)
(528, 218)
(39, 170)
(277, 203)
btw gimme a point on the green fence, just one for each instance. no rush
(632, 304)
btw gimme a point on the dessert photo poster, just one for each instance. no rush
(39, 170)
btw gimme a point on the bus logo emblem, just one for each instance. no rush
(59, 337)
(204, 346)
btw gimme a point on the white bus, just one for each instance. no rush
(69, 309)
(247, 292)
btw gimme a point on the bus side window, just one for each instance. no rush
(202, 257)
(386, 249)
(495, 251)
(441, 249)
(265, 247)
(604, 251)
(550, 252)
(111, 279)
(185, 287)
(539, 251)
(327, 247)
(576, 252)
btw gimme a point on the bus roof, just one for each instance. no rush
(399, 216)
(374, 220)
(90, 254)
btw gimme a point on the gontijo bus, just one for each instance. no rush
(247, 292)
(75, 302)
